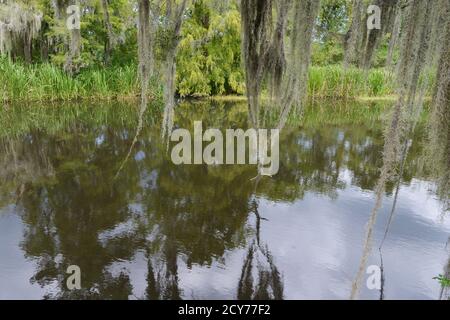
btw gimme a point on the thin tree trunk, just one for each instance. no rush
(394, 37)
(72, 64)
(354, 35)
(110, 36)
(27, 47)
(144, 45)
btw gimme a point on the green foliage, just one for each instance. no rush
(209, 58)
(329, 53)
(333, 19)
(49, 82)
(444, 281)
(334, 81)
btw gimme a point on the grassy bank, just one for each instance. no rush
(45, 82)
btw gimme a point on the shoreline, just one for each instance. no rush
(224, 98)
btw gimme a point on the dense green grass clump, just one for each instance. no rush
(335, 81)
(42, 82)
(48, 82)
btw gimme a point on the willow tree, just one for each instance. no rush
(418, 45)
(19, 25)
(271, 53)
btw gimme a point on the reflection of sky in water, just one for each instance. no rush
(316, 243)
(315, 233)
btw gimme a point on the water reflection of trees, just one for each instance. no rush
(76, 211)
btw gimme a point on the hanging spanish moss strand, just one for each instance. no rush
(264, 49)
(296, 79)
(276, 52)
(72, 66)
(174, 20)
(393, 40)
(256, 21)
(145, 69)
(18, 25)
(439, 141)
(416, 47)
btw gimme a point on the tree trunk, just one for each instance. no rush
(394, 36)
(109, 38)
(354, 34)
(72, 65)
(174, 15)
(27, 47)
(144, 44)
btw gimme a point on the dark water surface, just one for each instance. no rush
(157, 230)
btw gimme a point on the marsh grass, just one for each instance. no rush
(335, 81)
(46, 82)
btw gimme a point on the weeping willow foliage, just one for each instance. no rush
(417, 48)
(271, 53)
(19, 25)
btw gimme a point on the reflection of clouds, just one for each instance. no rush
(136, 269)
(217, 281)
(148, 179)
(121, 230)
(139, 156)
(15, 270)
(422, 203)
(100, 139)
(317, 244)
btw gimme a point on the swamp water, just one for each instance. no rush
(145, 228)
